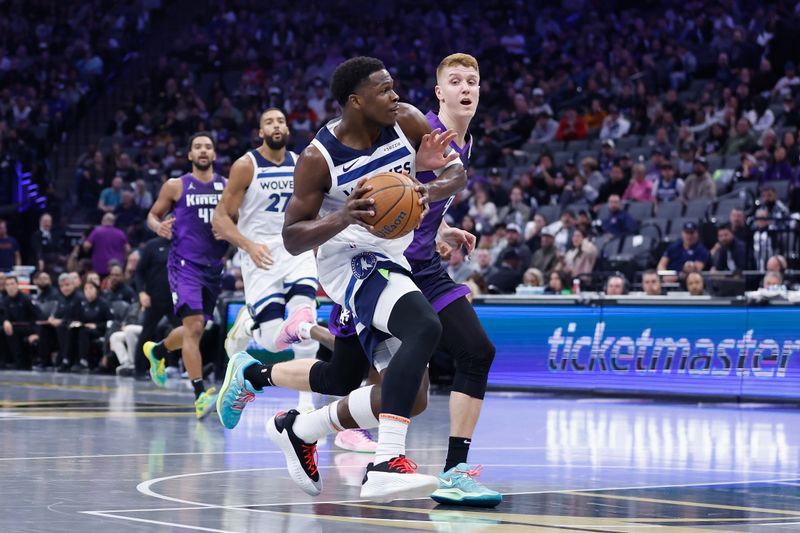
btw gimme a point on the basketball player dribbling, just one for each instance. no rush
(367, 275)
(194, 266)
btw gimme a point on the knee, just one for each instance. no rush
(333, 379)
(193, 328)
(421, 401)
(486, 353)
(428, 328)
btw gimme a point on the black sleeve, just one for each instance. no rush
(141, 267)
(31, 311)
(103, 316)
(36, 245)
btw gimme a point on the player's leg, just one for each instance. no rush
(473, 352)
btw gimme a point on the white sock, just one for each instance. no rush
(310, 427)
(304, 330)
(391, 437)
(305, 401)
(359, 403)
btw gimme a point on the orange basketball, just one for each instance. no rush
(397, 208)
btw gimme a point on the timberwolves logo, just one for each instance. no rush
(363, 265)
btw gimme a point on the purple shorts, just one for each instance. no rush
(436, 284)
(195, 288)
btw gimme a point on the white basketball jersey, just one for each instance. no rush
(264, 205)
(391, 153)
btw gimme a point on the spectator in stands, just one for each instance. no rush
(791, 114)
(618, 222)
(651, 283)
(772, 281)
(695, 284)
(777, 263)
(763, 240)
(46, 245)
(741, 139)
(615, 125)
(729, 253)
(19, 324)
(545, 129)
(607, 157)
(130, 218)
(667, 188)
(497, 191)
(556, 283)
(514, 241)
(616, 285)
(111, 197)
(516, 212)
(45, 290)
(615, 186)
(106, 243)
(546, 257)
(780, 169)
(505, 278)
(9, 249)
(590, 171)
(562, 230)
(699, 185)
(580, 259)
(483, 262)
(114, 286)
(790, 79)
(789, 143)
(142, 197)
(538, 103)
(482, 209)
(457, 268)
(686, 255)
(776, 209)
(578, 191)
(532, 278)
(572, 127)
(738, 224)
(640, 189)
(595, 116)
(533, 231)
(748, 169)
(53, 332)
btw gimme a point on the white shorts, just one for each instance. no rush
(266, 292)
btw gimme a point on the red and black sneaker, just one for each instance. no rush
(301, 457)
(396, 479)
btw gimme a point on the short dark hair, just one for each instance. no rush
(202, 134)
(267, 110)
(726, 226)
(12, 277)
(349, 76)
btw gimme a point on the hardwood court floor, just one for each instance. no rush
(83, 453)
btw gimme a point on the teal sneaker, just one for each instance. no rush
(205, 403)
(458, 486)
(236, 391)
(158, 370)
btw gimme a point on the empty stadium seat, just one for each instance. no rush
(696, 209)
(670, 210)
(549, 212)
(640, 210)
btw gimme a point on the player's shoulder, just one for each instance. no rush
(412, 121)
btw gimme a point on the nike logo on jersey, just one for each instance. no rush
(345, 168)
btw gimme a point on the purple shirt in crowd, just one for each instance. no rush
(108, 243)
(423, 247)
(192, 238)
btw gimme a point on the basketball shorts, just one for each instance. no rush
(195, 288)
(266, 292)
(436, 284)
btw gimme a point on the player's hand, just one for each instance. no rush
(144, 300)
(261, 255)
(8, 329)
(357, 207)
(431, 153)
(457, 238)
(165, 228)
(444, 250)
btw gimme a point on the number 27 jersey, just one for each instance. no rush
(264, 204)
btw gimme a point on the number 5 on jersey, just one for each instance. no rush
(278, 202)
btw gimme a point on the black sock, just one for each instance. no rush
(160, 351)
(259, 376)
(199, 387)
(457, 451)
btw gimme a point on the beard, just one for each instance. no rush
(277, 144)
(202, 166)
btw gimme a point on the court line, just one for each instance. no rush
(158, 522)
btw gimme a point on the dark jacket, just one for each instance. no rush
(20, 310)
(96, 312)
(739, 253)
(151, 272)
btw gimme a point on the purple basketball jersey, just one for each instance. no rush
(423, 247)
(192, 238)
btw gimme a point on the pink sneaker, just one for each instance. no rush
(356, 440)
(288, 333)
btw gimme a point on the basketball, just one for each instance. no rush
(397, 208)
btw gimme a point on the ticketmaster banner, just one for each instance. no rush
(695, 350)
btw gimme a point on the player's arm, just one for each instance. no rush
(303, 230)
(223, 222)
(451, 177)
(169, 194)
(456, 237)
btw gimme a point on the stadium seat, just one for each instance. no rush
(575, 146)
(551, 213)
(781, 188)
(723, 207)
(670, 210)
(640, 210)
(751, 186)
(696, 209)
(604, 213)
(561, 158)
(656, 228)
(627, 143)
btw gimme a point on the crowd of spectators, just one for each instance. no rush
(596, 124)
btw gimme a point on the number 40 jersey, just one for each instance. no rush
(264, 205)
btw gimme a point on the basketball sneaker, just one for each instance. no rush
(240, 334)
(236, 391)
(356, 440)
(205, 403)
(301, 457)
(288, 333)
(458, 486)
(396, 479)
(158, 369)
